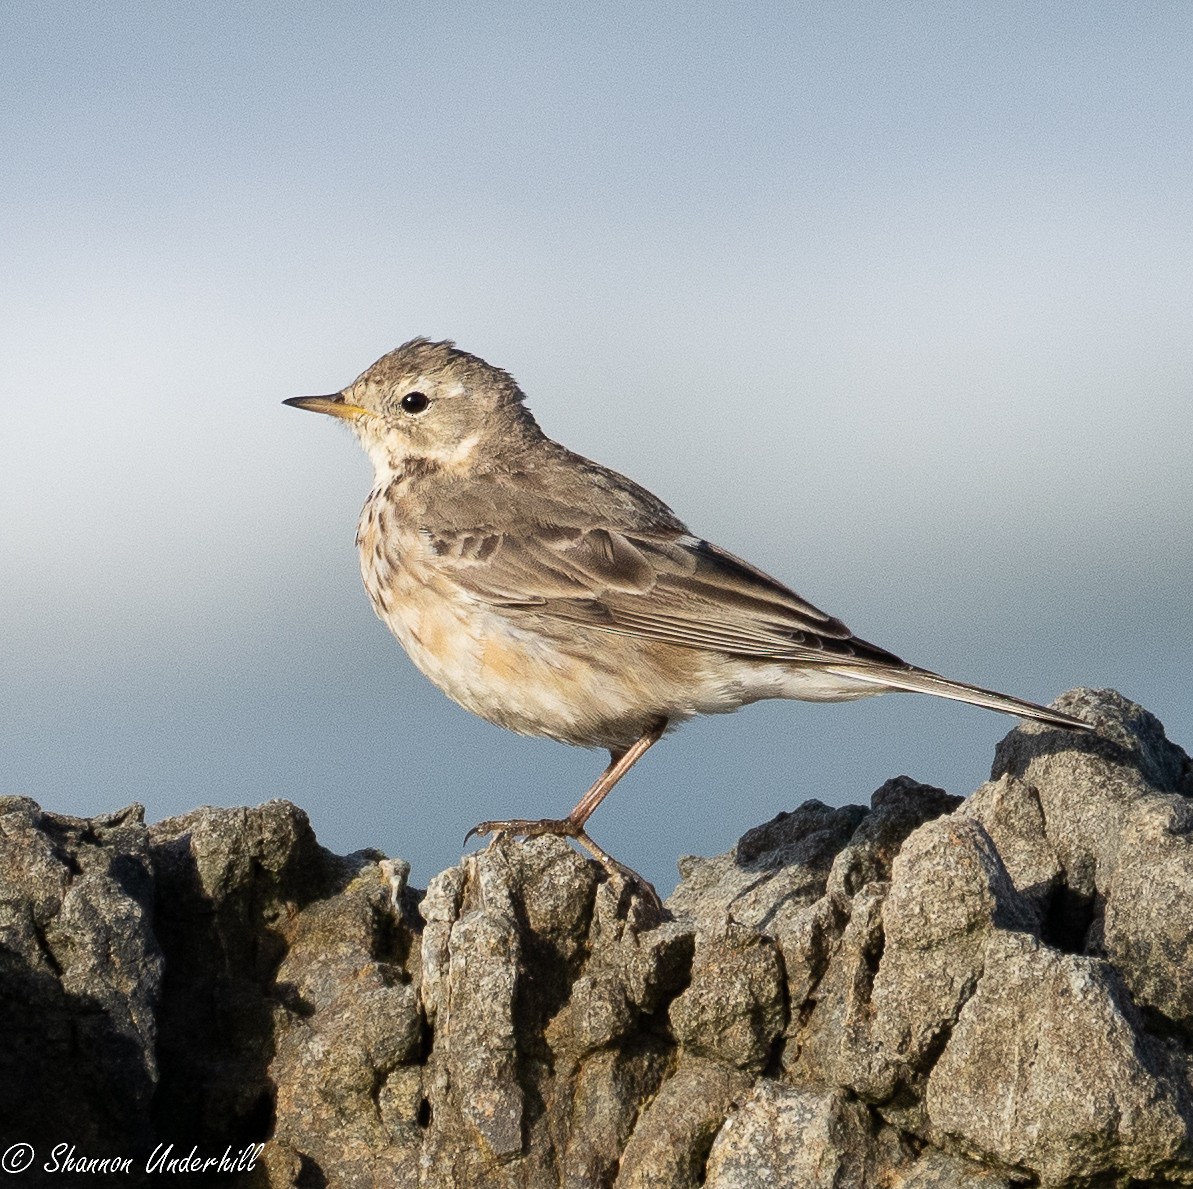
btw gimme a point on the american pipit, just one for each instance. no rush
(553, 596)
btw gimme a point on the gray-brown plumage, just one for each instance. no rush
(556, 597)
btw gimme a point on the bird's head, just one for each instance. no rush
(431, 403)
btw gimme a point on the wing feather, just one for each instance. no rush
(667, 586)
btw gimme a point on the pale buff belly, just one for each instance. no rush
(590, 689)
(541, 676)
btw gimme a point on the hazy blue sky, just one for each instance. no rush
(896, 300)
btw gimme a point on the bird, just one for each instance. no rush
(555, 597)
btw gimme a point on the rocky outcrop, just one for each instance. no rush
(926, 992)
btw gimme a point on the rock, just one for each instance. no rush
(897, 809)
(1009, 809)
(1088, 784)
(949, 893)
(1147, 925)
(608, 1093)
(80, 979)
(783, 1135)
(828, 1043)
(919, 994)
(1049, 1071)
(939, 1170)
(774, 872)
(735, 1006)
(349, 1033)
(670, 1144)
(229, 885)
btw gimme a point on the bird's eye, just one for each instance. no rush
(415, 402)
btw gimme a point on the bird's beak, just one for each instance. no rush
(334, 406)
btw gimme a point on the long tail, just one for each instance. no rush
(922, 681)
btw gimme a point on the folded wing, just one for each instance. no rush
(665, 586)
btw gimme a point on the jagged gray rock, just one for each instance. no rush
(80, 977)
(929, 992)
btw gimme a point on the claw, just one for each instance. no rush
(478, 831)
(567, 828)
(620, 873)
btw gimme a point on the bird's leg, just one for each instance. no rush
(572, 826)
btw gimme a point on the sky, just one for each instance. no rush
(896, 301)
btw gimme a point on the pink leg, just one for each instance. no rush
(572, 826)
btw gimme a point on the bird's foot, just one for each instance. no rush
(525, 828)
(566, 828)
